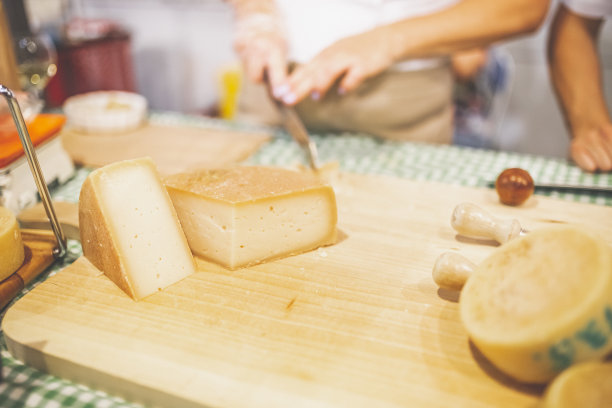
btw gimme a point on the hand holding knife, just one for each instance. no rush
(295, 127)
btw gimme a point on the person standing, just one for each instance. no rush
(381, 67)
(576, 74)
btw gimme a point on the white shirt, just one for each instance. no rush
(590, 8)
(313, 25)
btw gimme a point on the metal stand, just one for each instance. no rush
(39, 178)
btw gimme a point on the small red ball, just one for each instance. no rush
(514, 186)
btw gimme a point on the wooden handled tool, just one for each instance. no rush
(452, 270)
(472, 221)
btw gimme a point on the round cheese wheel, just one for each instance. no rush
(541, 303)
(583, 385)
(11, 245)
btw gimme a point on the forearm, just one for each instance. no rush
(468, 24)
(575, 70)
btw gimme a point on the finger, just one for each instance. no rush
(255, 67)
(284, 90)
(606, 136)
(277, 69)
(594, 143)
(605, 144)
(325, 78)
(299, 91)
(607, 164)
(600, 155)
(299, 84)
(581, 156)
(353, 78)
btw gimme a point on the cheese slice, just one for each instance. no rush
(129, 229)
(541, 303)
(247, 215)
(11, 245)
(583, 385)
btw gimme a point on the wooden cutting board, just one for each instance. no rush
(38, 251)
(173, 148)
(359, 323)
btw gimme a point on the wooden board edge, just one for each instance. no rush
(33, 356)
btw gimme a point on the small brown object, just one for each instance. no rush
(514, 186)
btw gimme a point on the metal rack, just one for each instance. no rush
(61, 249)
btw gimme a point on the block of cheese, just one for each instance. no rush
(583, 385)
(246, 215)
(542, 302)
(11, 245)
(129, 228)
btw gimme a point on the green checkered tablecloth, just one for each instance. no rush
(23, 386)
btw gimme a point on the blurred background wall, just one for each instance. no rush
(180, 46)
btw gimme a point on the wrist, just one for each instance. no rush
(396, 41)
(586, 126)
(410, 39)
(579, 122)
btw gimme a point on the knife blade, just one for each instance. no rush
(567, 187)
(295, 127)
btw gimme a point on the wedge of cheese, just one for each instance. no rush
(129, 228)
(541, 303)
(11, 245)
(246, 215)
(583, 385)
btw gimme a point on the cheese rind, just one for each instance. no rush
(11, 245)
(583, 385)
(247, 215)
(541, 303)
(129, 228)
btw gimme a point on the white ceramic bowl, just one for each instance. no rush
(106, 111)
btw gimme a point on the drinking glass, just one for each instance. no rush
(36, 61)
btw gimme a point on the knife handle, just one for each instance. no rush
(452, 270)
(472, 221)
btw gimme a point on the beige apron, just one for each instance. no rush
(399, 105)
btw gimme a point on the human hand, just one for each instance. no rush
(260, 42)
(353, 59)
(591, 148)
(466, 64)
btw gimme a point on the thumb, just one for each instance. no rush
(277, 69)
